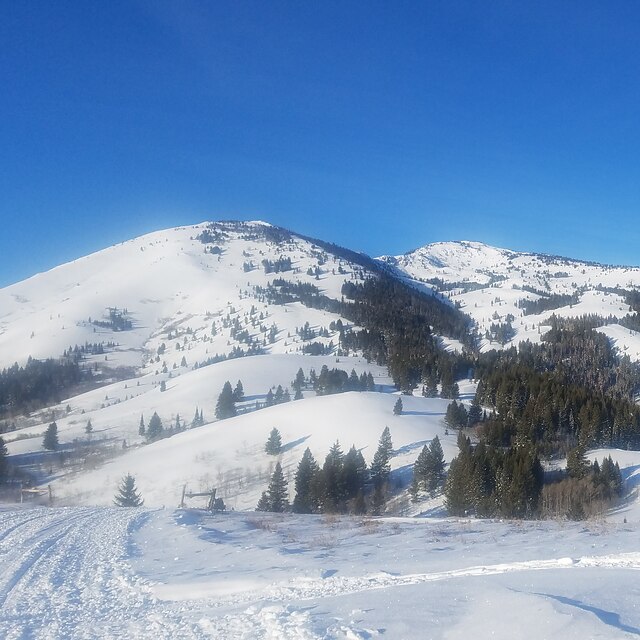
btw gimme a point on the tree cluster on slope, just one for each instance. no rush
(343, 484)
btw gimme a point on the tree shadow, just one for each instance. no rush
(293, 444)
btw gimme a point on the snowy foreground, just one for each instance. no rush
(90, 572)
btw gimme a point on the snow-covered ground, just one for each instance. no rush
(133, 574)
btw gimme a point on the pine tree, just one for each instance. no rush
(381, 468)
(397, 407)
(155, 427)
(269, 398)
(274, 443)
(475, 412)
(225, 407)
(275, 497)
(300, 379)
(238, 392)
(435, 468)
(128, 495)
(332, 479)
(263, 503)
(50, 440)
(354, 474)
(141, 429)
(457, 486)
(307, 499)
(577, 463)
(88, 428)
(4, 455)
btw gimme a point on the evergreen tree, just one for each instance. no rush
(397, 407)
(225, 407)
(307, 499)
(155, 427)
(263, 503)
(274, 443)
(298, 395)
(163, 386)
(269, 398)
(332, 479)
(141, 428)
(88, 427)
(428, 470)
(50, 440)
(456, 416)
(475, 412)
(354, 474)
(435, 468)
(4, 455)
(577, 463)
(275, 497)
(128, 495)
(238, 392)
(457, 487)
(300, 380)
(381, 467)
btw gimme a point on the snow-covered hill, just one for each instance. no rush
(191, 289)
(489, 284)
(162, 305)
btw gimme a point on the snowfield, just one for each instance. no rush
(130, 574)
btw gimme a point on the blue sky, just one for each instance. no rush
(378, 125)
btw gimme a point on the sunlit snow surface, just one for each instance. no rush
(120, 573)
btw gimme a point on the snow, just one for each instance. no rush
(84, 569)
(168, 284)
(230, 456)
(502, 274)
(95, 572)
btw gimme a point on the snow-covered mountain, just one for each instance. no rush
(491, 284)
(194, 290)
(155, 309)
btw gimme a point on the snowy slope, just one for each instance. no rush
(229, 454)
(488, 282)
(130, 574)
(175, 292)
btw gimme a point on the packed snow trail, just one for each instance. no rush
(64, 574)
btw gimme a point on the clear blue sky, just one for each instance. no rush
(378, 125)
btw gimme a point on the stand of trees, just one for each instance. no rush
(343, 484)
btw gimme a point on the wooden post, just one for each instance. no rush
(184, 488)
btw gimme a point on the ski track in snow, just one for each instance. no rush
(66, 574)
